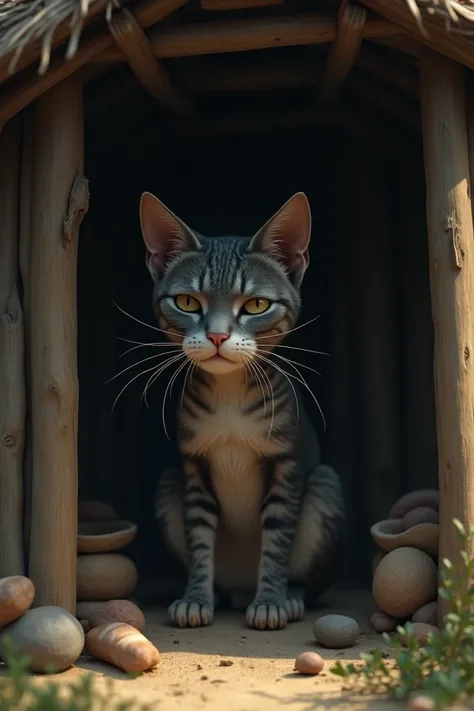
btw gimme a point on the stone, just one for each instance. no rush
(309, 663)
(427, 613)
(336, 631)
(404, 580)
(51, 636)
(16, 597)
(105, 576)
(117, 611)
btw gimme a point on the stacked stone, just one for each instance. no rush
(405, 570)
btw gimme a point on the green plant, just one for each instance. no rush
(19, 692)
(443, 669)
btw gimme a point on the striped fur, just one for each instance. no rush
(251, 510)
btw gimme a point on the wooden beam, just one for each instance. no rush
(12, 356)
(455, 46)
(222, 5)
(450, 243)
(133, 43)
(24, 89)
(344, 50)
(60, 200)
(246, 35)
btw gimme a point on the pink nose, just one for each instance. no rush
(217, 338)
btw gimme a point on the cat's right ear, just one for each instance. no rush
(164, 234)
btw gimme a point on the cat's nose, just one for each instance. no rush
(217, 338)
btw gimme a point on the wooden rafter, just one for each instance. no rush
(454, 46)
(221, 5)
(344, 50)
(133, 42)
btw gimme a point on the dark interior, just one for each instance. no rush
(367, 282)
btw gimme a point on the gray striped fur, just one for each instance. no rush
(251, 510)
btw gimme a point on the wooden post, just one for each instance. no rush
(377, 337)
(451, 255)
(60, 200)
(12, 370)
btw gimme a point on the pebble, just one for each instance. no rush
(309, 663)
(117, 611)
(422, 631)
(336, 631)
(51, 636)
(381, 622)
(16, 596)
(421, 703)
(427, 613)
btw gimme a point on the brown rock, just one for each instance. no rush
(427, 613)
(405, 579)
(422, 631)
(105, 576)
(122, 645)
(95, 511)
(85, 607)
(422, 514)
(414, 499)
(118, 611)
(421, 703)
(16, 596)
(309, 663)
(381, 622)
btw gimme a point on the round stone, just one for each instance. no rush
(309, 663)
(50, 636)
(105, 576)
(336, 631)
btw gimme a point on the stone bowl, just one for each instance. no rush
(104, 536)
(389, 535)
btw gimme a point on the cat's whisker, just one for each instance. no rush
(142, 345)
(134, 365)
(143, 323)
(293, 348)
(169, 387)
(142, 372)
(291, 362)
(292, 330)
(258, 381)
(287, 376)
(272, 397)
(154, 377)
(190, 367)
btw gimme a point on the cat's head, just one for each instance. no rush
(227, 299)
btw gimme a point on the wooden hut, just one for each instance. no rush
(223, 108)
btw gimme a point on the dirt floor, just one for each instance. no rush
(228, 667)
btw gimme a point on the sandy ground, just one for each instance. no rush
(228, 667)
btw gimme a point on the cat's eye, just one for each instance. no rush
(256, 306)
(187, 303)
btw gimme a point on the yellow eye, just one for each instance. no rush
(184, 302)
(256, 306)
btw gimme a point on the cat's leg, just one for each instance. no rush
(314, 556)
(196, 607)
(279, 518)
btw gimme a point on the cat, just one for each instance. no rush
(251, 510)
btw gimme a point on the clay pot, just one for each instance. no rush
(104, 536)
(106, 576)
(389, 535)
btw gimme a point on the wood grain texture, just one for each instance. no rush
(12, 370)
(450, 242)
(60, 199)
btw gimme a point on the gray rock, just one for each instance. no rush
(336, 631)
(51, 636)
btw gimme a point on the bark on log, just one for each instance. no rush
(60, 201)
(450, 238)
(12, 369)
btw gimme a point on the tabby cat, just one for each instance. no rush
(252, 510)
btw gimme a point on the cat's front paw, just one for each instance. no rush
(267, 615)
(191, 613)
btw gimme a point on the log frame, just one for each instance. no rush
(450, 236)
(60, 199)
(12, 356)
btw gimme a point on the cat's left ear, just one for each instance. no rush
(286, 236)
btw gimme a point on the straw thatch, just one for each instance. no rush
(458, 15)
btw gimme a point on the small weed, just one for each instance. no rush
(18, 691)
(443, 670)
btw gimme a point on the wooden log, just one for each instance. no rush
(344, 50)
(133, 42)
(457, 47)
(12, 370)
(245, 35)
(450, 237)
(420, 466)
(22, 90)
(26, 200)
(377, 334)
(60, 200)
(223, 5)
